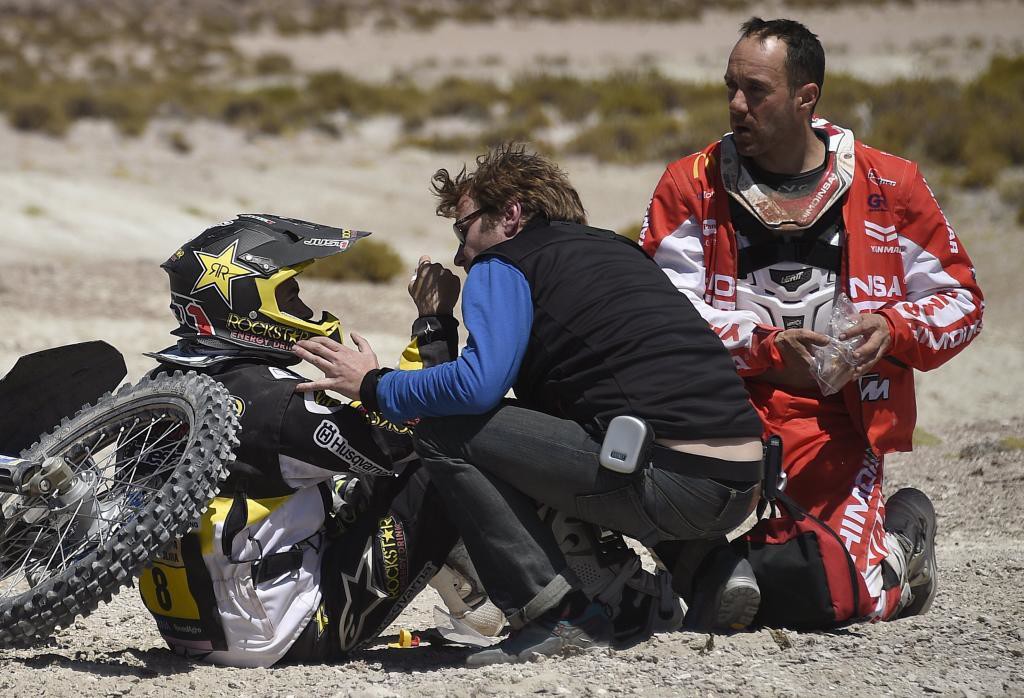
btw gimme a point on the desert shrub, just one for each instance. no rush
(982, 168)
(906, 114)
(688, 94)
(102, 68)
(179, 142)
(637, 94)
(273, 63)
(996, 100)
(705, 122)
(333, 90)
(1011, 189)
(329, 17)
(366, 260)
(129, 107)
(631, 139)
(400, 96)
(327, 127)
(519, 126)
(570, 96)
(474, 11)
(471, 99)
(80, 102)
(285, 21)
(217, 21)
(423, 18)
(846, 101)
(270, 110)
(451, 143)
(38, 114)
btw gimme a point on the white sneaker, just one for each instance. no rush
(467, 602)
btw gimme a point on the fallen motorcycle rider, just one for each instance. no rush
(327, 526)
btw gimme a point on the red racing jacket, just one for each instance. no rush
(901, 258)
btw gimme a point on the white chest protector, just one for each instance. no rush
(788, 295)
(789, 238)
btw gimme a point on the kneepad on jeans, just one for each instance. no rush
(807, 578)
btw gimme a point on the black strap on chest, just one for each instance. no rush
(811, 247)
(277, 565)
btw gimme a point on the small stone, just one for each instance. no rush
(781, 639)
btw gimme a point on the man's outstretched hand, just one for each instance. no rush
(343, 368)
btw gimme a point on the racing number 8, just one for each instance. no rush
(163, 594)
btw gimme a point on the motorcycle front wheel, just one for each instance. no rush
(144, 463)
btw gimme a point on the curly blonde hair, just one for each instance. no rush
(509, 173)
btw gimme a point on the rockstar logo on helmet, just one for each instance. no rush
(220, 270)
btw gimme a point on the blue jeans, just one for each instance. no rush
(493, 469)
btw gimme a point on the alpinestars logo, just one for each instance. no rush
(884, 234)
(873, 388)
(361, 595)
(329, 436)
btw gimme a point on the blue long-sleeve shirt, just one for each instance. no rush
(498, 313)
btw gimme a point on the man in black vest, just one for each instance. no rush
(586, 328)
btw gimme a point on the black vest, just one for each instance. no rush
(611, 335)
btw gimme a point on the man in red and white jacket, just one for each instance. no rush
(761, 231)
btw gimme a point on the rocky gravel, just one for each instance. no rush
(970, 644)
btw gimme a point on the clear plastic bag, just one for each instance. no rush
(834, 362)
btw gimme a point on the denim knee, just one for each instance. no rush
(446, 437)
(427, 435)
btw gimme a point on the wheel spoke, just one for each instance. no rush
(114, 458)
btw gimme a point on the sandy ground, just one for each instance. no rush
(970, 644)
(87, 220)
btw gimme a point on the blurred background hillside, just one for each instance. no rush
(127, 127)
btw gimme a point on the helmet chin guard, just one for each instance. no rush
(225, 282)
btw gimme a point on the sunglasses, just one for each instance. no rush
(461, 226)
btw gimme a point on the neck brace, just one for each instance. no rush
(782, 213)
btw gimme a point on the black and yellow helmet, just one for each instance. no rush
(229, 283)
